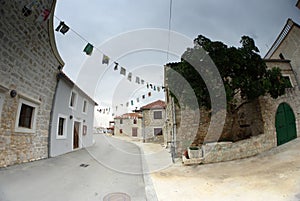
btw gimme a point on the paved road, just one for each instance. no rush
(114, 166)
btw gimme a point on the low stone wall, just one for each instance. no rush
(226, 151)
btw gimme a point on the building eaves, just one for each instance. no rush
(283, 34)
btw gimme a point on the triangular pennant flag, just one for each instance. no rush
(44, 16)
(137, 80)
(105, 59)
(116, 66)
(88, 49)
(123, 71)
(129, 76)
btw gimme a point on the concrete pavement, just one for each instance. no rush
(273, 175)
(117, 166)
(64, 178)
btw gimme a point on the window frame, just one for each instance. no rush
(2, 99)
(84, 106)
(65, 128)
(33, 116)
(161, 129)
(73, 106)
(161, 114)
(121, 121)
(289, 77)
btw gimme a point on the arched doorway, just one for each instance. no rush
(285, 123)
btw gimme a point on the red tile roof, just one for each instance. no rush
(129, 116)
(155, 105)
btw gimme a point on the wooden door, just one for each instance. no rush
(76, 135)
(285, 123)
(134, 132)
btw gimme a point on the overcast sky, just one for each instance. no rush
(100, 21)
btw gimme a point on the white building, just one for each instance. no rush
(72, 118)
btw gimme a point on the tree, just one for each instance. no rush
(244, 74)
(243, 71)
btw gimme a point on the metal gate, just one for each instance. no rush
(285, 123)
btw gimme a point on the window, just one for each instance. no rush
(121, 121)
(121, 131)
(157, 114)
(84, 108)
(158, 131)
(73, 99)
(26, 116)
(287, 81)
(84, 130)
(62, 127)
(134, 121)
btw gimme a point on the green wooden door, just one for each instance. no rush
(285, 124)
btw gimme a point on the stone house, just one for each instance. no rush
(154, 117)
(129, 124)
(72, 118)
(277, 119)
(29, 64)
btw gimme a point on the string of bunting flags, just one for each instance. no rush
(89, 48)
(42, 14)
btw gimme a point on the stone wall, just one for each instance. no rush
(218, 152)
(28, 64)
(260, 115)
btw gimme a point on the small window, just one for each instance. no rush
(121, 131)
(121, 121)
(84, 130)
(287, 81)
(26, 116)
(62, 127)
(73, 99)
(157, 114)
(134, 121)
(158, 131)
(84, 108)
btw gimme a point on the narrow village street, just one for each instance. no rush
(116, 165)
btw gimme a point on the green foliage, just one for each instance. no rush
(242, 70)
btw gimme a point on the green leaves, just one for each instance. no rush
(244, 72)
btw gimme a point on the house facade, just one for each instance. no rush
(29, 64)
(129, 124)
(72, 118)
(154, 116)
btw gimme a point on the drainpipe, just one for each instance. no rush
(51, 115)
(174, 126)
(143, 127)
